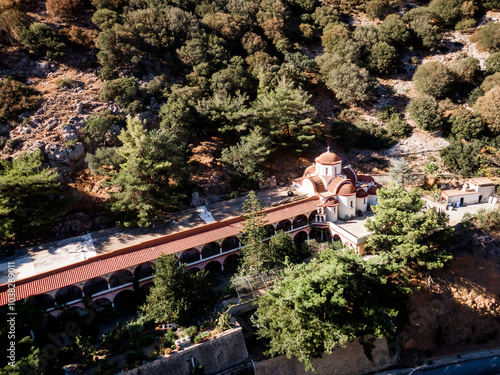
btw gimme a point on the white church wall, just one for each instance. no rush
(372, 200)
(361, 204)
(332, 213)
(347, 206)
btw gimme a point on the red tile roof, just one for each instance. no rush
(328, 158)
(146, 252)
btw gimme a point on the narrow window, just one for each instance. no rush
(326, 170)
(352, 204)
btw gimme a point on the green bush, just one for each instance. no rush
(383, 58)
(123, 91)
(448, 12)
(105, 18)
(394, 31)
(191, 332)
(420, 22)
(380, 9)
(325, 15)
(492, 63)
(350, 83)
(42, 40)
(424, 110)
(490, 82)
(466, 125)
(170, 338)
(466, 70)
(397, 127)
(17, 98)
(102, 129)
(462, 158)
(489, 108)
(488, 37)
(433, 79)
(68, 83)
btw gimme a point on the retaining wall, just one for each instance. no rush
(224, 351)
(350, 360)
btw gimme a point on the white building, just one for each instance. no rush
(477, 190)
(343, 194)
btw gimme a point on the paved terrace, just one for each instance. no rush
(54, 255)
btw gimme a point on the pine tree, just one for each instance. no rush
(402, 173)
(177, 295)
(247, 158)
(151, 179)
(253, 254)
(285, 114)
(405, 232)
(29, 195)
(317, 306)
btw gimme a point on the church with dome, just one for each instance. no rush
(343, 194)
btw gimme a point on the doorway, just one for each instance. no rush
(461, 201)
(480, 199)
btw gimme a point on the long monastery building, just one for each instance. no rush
(111, 267)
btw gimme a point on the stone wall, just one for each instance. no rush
(350, 360)
(224, 351)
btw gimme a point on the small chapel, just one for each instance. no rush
(342, 193)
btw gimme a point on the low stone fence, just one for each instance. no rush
(350, 360)
(224, 351)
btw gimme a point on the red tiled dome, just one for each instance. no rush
(328, 158)
(309, 170)
(330, 202)
(365, 178)
(361, 194)
(373, 190)
(347, 189)
(349, 173)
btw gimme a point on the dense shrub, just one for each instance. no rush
(335, 37)
(394, 31)
(380, 8)
(434, 79)
(350, 83)
(397, 127)
(488, 37)
(105, 18)
(42, 40)
(490, 82)
(17, 98)
(466, 70)
(65, 9)
(110, 4)
(325, 15)
(424, 110)
(462, 158)
(383, 58)
(466, 125)
(490, 4)
(123, 91)
(420, 22)
(102, 129)
(489, 108)
(492, 63)
(253, 43)
(448, 12)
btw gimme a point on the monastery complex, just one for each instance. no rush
(331, 208)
